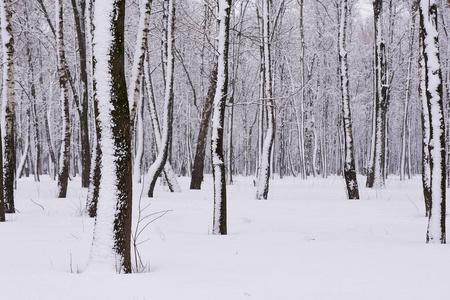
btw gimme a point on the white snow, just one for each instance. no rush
(306, 242)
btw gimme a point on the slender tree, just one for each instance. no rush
(8, 107)
(349, 161)
(158, 165)
(79, 11)
(264, 174)
(381, 93)
(199, 159)
(436, 144)
(64, 161)
(218, 164)
(111, 243)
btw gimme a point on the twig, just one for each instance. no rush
(37, 204)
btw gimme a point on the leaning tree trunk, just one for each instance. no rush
(220, 98)
(168, 172)
(111, 243)
(138, 59)
(157, 166)
(349, 161)
(264, 174)
(199, 159)
(434, 95)
(64, 161)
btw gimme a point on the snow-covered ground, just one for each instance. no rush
(306, 242)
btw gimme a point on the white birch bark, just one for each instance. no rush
(171, 178)
(139, 54)
(264, 174)
(158, 165)
(8, 106)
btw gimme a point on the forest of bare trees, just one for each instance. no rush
(124, 91)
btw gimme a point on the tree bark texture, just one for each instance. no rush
(436, 145)
(199, 159)
(64, 161)
(8, 107)
(111, 245)
(349, 161)
(220, 98)
(79, 16)
(264, 174)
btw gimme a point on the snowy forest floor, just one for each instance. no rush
(306, 242)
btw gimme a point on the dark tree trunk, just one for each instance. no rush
(114, 140)
(199, 160)
(64, 162)
(434, 98)
(84, 127)
(220, 98)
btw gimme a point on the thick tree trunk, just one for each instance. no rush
(199, 159)
(111, 244)
(434, 95)
(349, 161)
(64, 161)
(8, 109)
(220, 98)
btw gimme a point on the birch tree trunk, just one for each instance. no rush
(139, 55)
(264, 174)
(168, 172)
(434, 95)
(220, 98)
(381, 90)
(157, 167)
(64, 161)
(111, 243)
(8, 107)
(349, 161)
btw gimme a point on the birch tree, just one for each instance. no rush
(158, 165)
(111, 243)
(264, 174)
(64, 161)
(376, 171)
(349, 161)
(436, 144)
(8, 107)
